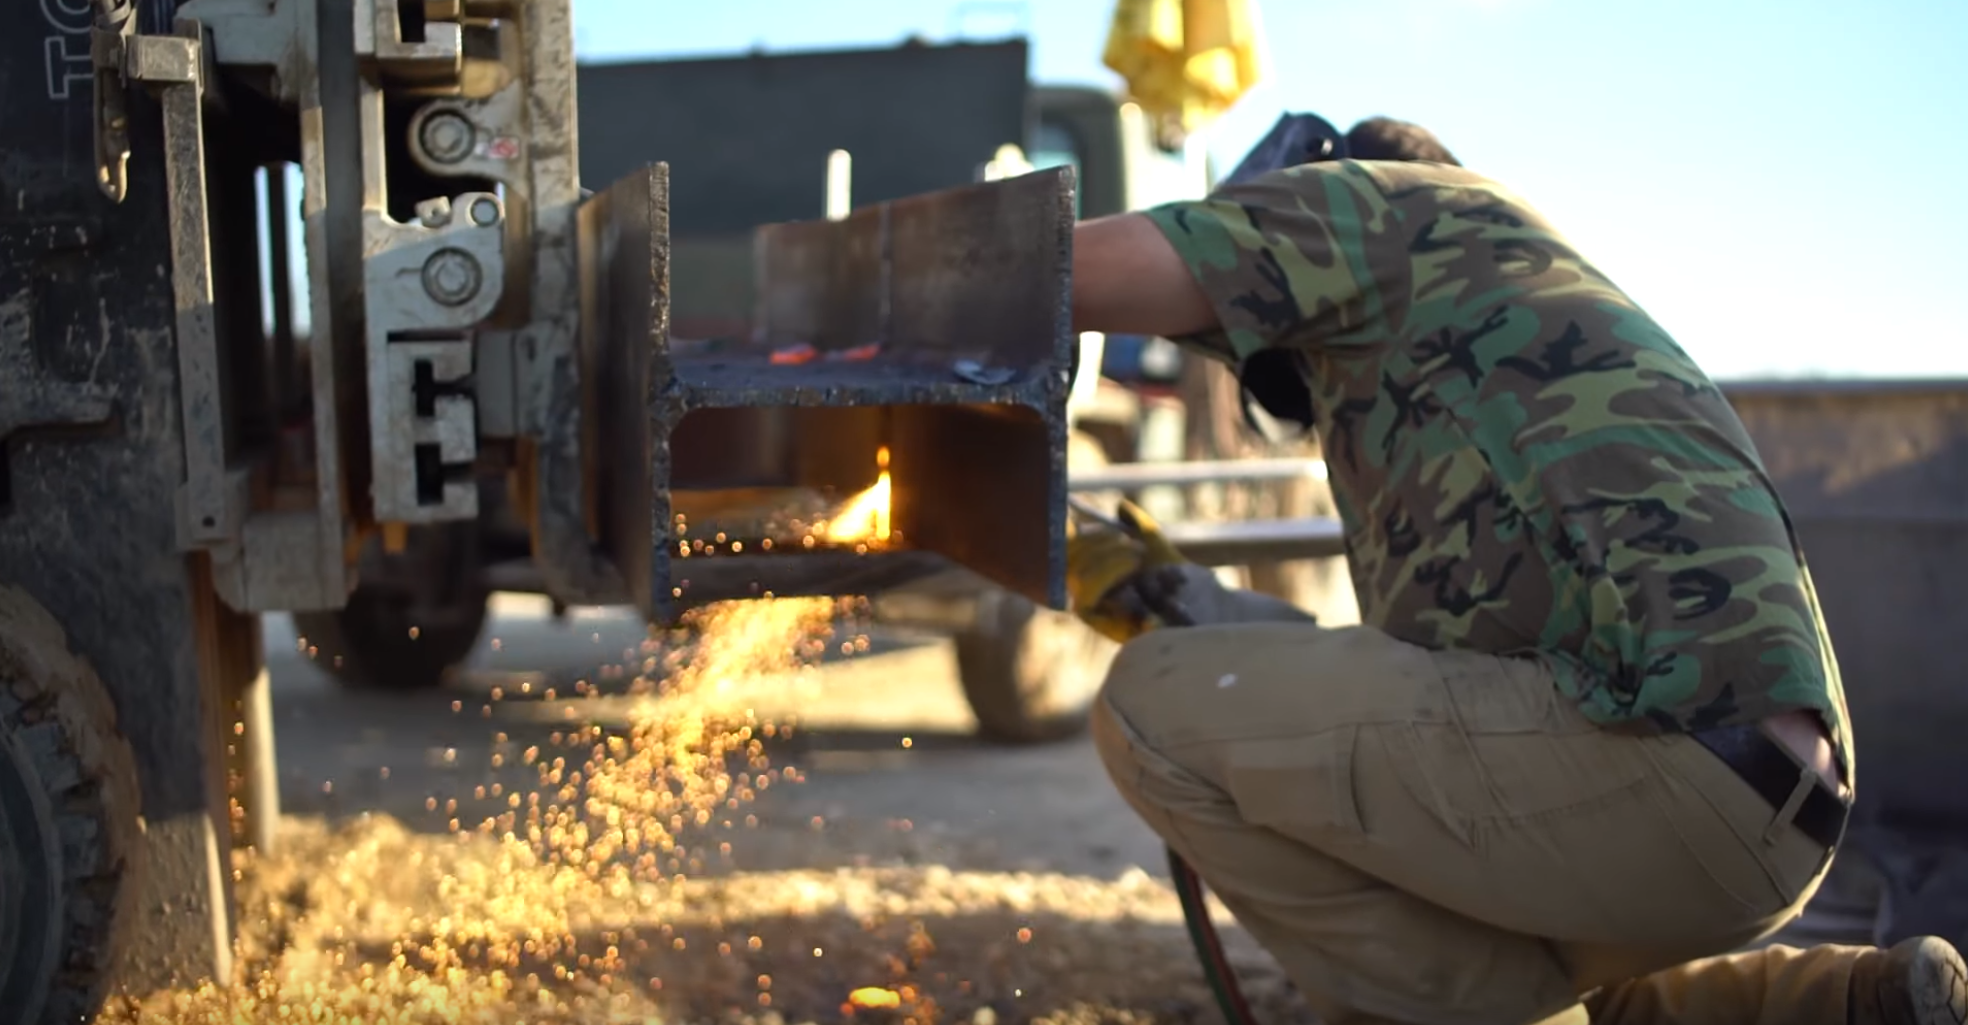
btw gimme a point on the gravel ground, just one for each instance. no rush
(437, 866)
(869, 864)
(371, 921)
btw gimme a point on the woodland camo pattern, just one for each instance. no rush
(1523, 460)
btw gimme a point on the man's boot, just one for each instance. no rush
(1921, 981)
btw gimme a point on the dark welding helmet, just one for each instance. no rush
(1296, 139)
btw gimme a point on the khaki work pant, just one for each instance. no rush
(1441, 837)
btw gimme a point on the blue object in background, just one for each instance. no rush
(1296, 139)
(1140, 359)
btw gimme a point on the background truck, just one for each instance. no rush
(909, 119)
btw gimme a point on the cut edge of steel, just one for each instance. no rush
(940, 284)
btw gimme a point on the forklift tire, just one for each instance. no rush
(417, 613)
(368, 643)
(1030, 673)
(70, 837)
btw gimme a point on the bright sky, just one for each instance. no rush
(1782, 183)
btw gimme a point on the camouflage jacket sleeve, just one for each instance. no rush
(1307, 258)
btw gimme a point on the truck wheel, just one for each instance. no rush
(1030, 673)
(414, 617)
(69, 831)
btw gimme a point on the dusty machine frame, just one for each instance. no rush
(484, 342)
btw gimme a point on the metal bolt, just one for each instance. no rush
(485, 211)
(447, 137)
(434, 213)
(452, 276)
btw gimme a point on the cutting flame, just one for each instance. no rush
(865, 516)
(875, 998)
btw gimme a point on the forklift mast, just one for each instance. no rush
(204, 418)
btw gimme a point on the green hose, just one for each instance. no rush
(1188, 885)
(1209, 946)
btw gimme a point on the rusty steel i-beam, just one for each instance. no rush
(934, 329)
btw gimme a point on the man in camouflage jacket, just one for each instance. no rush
(1590, 737)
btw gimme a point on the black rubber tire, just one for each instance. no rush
(434, 588)
(367, 642)
(1030, 673)
(70, 833)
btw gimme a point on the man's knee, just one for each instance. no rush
(1132, 711)
(1145, 658)
(1149, 667)
(1152, 721)
(1174, 685)
(1118, 703)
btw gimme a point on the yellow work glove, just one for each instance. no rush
(1100, 564)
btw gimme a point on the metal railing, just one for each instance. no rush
(1232, 542)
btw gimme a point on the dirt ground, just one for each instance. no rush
(543, 841)
(885, 851)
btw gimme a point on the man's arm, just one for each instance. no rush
(1129, 279)
(1308, 257)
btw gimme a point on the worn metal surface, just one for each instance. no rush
(492, 307)
(425, 284)
(31, 394)
(1129, 476)
(293, 556)
(115, 22)
(624, 317)
(88, 527)
(274, 38)
(210, 506)
(331, 225)
(562, 512)
(480, 138)
(379, 37)
(976, 274)
(1245, 542)
(520, 131)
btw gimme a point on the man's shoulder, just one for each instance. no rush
(1394, 180)
(1326, 253)
(1326, 188)
(1401, 175)
(1316, 183)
